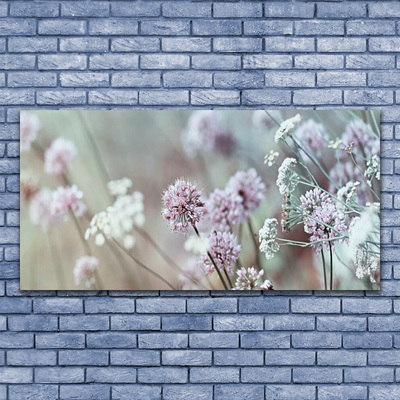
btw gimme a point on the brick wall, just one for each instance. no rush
(200, 345)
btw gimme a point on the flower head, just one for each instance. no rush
(183, 206)
(267, 238)
(347, 194)
(287, 178)
(313, 135)
(270, 158)
(287, 128)
(29, 127)
(119, 187)
(224, 249)
(84, 270)
(224, 208)
(249, 187)
(373, 169)
(322, 220)
(118, 221)
(59, 156)
(65, 199)
(40, 208)
(251, 279)
(204, 132)
(366, 264)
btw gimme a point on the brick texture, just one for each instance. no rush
(202, 345)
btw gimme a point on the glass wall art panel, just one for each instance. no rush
(200, 200)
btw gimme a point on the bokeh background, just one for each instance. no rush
(145, 146)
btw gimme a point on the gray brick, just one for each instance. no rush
(238, 392)
(341, 45)
(365, 27)
(135, 322)
(319, 340)
(16, 375)
(371, 61)
(57, 306)
(346, 10)
(137, 79)
(17, 61)
(83, 357)
(164, 61)
(384, 357)
(162, 375)
(34, 79)
(289, 79)
(34, 9)
(264, 340)
(98, 392)
(368, 375)
(366, 306)
(266, 375)
(181, 9)
(319, 61)
(269, 27)
(238, 357)
(317, 375)
(264, 304)
(288, 10)
(136, 392)
(61, 27)
(238, 80)
(289, 357)
(126, 97)
(368, 97)
(215, 62)
(260, 97)
(214, 375)
(342, 78)
(59, 375)
(342, 358)
(84, 322)
(110, 375)
(317, 96)
(135, 357)
(384, 10)
(113, 27)
(386, 44)
(15, 306)
(318, 27)
(163, 340)
(325, 306)
(113, 61)
(289, 323)
(214, 339)
(135, 44)
(367, 340)
(84, 79)
(31, 357)
(157, 98)
(31, 45)
(346, 392)
(289, 392)
(20, 26)
(341, 323)
(139, 9)
(61, 97)
(16, 340)
(109, 306)
(240, 323)
(60, 341)
(87, 45)
(111, 340)
(386, 323)
(214, 97)
(186, 357)
(267, 61)
(32, 323)
(179, 392)
(85, 9)
(165, 28)
(194, 45)
(237, 45)
(61, 61)
(237, 10)
(186, 79)
(216, 27)
(186, 323)
(37, 392)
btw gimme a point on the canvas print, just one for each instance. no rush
(200, 200)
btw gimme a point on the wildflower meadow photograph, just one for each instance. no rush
(200, 200)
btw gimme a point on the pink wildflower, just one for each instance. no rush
(313, 135)
(66, 199)
(29, 126)
(40, 208)
(322, 220)
(251, 279)
(250, 188)
(84, 270)
(182, 206)
(224, 249)
(59, 155)
(224, 208)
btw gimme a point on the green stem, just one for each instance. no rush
(213, 262)
(324, 268)
(253, 236)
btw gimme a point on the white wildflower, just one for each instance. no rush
(119, 187)
(267, 238)
(270, 158)
(373, 169)
(347, 194)
(84, 270)
(287, 127)
(366, 264)
(335, 144)
(287, 178)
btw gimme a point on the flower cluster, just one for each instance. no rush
(183, 206)
(270, 158)
(119, 187)
(58, 157)
(313, 135)
(40, 208)
(29, 127)
(118, 221)
(347, 195)
(373, 170)
(250, 188)
(85, 269)
(366, 264)
(322, 220)
(267, 238)
(224, 249)
(287, 178)
(287, 127)
(251, 279)
(204, 132)
(67, 199)
(224, 208)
